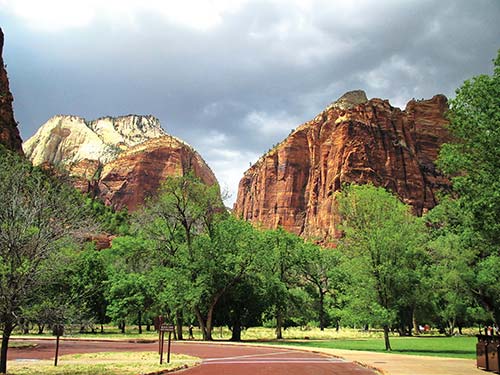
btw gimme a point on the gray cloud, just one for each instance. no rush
(235, 87)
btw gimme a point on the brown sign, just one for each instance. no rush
(167, 328)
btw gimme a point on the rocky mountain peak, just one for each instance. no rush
(68, 139)
(350, 99)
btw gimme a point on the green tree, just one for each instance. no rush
(130, 296)
(381, 241)
(279, 263)
(473, 159)
(37, 214)
(221, 261)
(320, 271)
(89, 285)
(130, 273)
(243, 305)
(184, 209)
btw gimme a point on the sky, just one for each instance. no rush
(234, 77)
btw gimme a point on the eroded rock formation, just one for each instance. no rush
(137, 173)
(9, 133)
(354, 140)
(69, 139)
(120, 160)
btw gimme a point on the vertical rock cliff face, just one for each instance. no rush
(354, 140)
(138, 172)
(121, 160)
(9, 134)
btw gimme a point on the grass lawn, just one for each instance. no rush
(457, 347)
(102, 363)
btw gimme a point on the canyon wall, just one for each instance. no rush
(9, 133)
(354, 140)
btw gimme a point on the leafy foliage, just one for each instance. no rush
(384, 242)
(38, 215)
(473, 159)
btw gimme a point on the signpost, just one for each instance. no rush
(58, 331)
(158, 321)
(165, 328)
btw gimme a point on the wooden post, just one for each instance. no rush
(168, 353)
(159, 341)
(58, 331)
(57, 350)
(161, 350)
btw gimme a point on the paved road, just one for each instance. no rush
(216, 359)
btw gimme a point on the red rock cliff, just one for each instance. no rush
(353, 141)
(138, 172)
(9, 134)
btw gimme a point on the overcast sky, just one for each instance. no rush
(233, 77)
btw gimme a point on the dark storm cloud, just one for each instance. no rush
(237, 87)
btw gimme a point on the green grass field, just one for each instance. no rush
(102, 363)
(456, 347)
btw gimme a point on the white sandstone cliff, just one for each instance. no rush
(69, 139)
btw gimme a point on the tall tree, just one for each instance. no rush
(36, 215)
(381, 240)
(184, 209)
(222, 260)
(319, 269)
(473, 159)
(280, 266)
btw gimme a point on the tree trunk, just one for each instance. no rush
(236, 332)
(386, 338)
(121, 325)
(201, 322)
(321, 311)
(5, 346)
(337, 325)
(279, 324)
(179, 321)
(209, 326)
(41, 328)
(102, 328)
(415, 323)
(139, 321)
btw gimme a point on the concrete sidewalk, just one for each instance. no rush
(400, 364)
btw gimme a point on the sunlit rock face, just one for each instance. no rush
(121, 160)
(69, 139)
(9, 133)
(137, 173)
(354, 140)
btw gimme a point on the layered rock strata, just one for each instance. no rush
(9, 133)
(354, 140)
(137, 173)
(121, 160)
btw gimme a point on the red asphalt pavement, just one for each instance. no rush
(216, 359)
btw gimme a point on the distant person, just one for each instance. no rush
(191, 337)
(489, 331)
